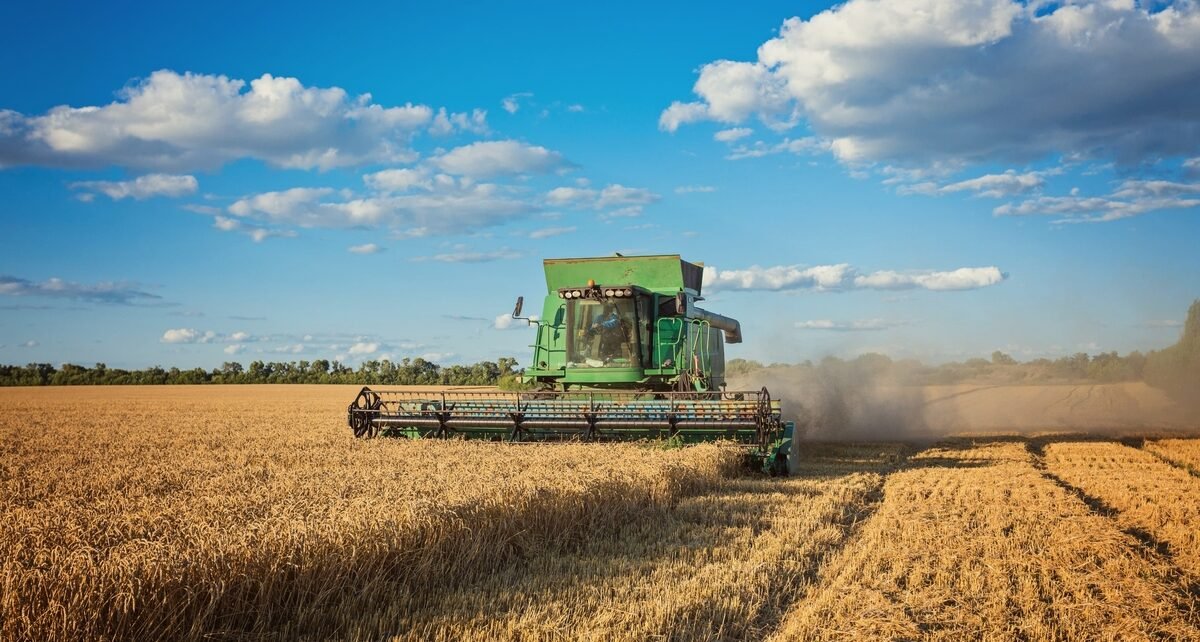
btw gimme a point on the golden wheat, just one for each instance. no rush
(179, 514)
(721, 565)
(972, 542)
(249, 512)
(1184, 453)
(1147, 493)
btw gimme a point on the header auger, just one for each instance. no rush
(621, 353)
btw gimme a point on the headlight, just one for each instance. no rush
(577, 294)
(608, 292)
(628, 292)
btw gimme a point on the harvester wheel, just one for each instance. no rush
(779, 465)
(361, 422)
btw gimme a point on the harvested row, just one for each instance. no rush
(239, 520)
(972, 542)
(722, 565)
(1147, 493)
(1184, 453)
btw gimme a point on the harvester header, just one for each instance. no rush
(621, 351)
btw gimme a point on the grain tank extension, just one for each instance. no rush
(621, 352)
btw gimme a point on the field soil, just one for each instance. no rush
(250, 512)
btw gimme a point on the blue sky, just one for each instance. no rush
(184, 185)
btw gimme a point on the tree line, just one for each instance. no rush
(375, 372)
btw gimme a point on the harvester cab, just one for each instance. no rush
(621, 351)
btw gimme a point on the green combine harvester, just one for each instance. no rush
(622, 352)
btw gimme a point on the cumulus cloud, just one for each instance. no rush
(864, 325)
(487, 159)
(694, 189)
(365, 248)
(917, 81)
(449, 206)
(399, 180)
(187, 335)
(195, 121)
(111, 292)
(445, 123)
(842, 276)
(363, 347)
(140, 188)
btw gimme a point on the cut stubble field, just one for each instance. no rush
(249, 512)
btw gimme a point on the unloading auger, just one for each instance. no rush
(621, 353)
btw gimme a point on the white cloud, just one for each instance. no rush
(547, 232)
(967, 278)
(681, 114)
(506, 322)
(112, 292)
(445, 124)
(807, 145)
(180, 121)
(366, 248)
(463, 255)
(619, 195)
(999, 185)
(1130, 198)
(570, 196)
(192, 335)
(842, 276)
(449, 206)
(916, 81)
(257, 233)
(512, 102)
(692, 189)
(362, 348)
(235, 348)
(486, 159)
(140, 188)
(620, 200)
(732, 134)
(399, 180)
(864, 325)
(29, 344)
(187, 335)
(781, 277)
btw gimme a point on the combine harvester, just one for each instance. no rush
(622, 353)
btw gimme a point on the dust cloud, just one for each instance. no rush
(847, 401)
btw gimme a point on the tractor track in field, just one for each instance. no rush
(1153, 550)
(852, 519)
(1140, 444)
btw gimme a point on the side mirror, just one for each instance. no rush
(517, 309)
(680, 304)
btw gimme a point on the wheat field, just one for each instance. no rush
(249, 512)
